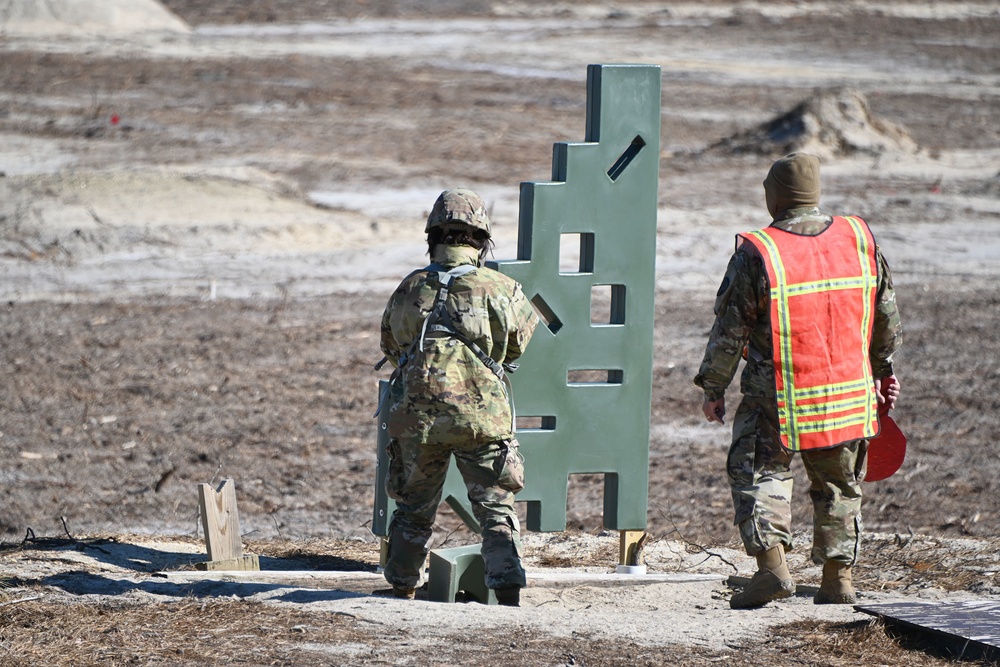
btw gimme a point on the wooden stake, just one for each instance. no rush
(627, 541)
(221, 523)
(247, 563)
(383, 552)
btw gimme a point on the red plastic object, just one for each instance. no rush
(887, 450)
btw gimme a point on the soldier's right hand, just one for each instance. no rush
(715, 411)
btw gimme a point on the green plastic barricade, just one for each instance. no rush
(586, 257)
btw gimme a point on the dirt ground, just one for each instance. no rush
(199, 233)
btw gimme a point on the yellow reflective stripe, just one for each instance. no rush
(819, 427)
(841, 405)
(870, 284)
(826, 390)
(779, 294)
(812, 426)
(826, 286)
(831, 399)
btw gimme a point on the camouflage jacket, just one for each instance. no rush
(445, 393)
(742, 312)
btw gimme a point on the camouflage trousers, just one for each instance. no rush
(761, 483)
(493, 473)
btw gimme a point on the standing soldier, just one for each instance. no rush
(452, 330)
(808, 301)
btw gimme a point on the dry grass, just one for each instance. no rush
(321, 554)
(186, 632)
(843, 645)
(563, 550)
(901, 563)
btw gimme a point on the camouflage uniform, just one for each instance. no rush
(446, 401)
(758, 465)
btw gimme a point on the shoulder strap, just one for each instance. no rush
(439, 320)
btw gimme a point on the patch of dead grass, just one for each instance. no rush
(187, 632)
(321, 554)
(900, 563)
(846, 645)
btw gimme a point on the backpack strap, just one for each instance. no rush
(439, 319)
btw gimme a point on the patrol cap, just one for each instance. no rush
(459, 206)
(792, 181)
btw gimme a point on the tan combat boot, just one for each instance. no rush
(773, 581)
(836, 587)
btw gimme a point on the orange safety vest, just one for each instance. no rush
(823, 292)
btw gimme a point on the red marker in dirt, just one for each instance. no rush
(115, 119)
(886, 450)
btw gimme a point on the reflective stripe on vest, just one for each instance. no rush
(822, 291)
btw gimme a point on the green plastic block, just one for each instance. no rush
(584, 389)
(458, 569)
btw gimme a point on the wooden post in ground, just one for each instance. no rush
(221, 522)
(630, 545)
(383, 552)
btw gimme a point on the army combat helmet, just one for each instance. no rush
(459, 207)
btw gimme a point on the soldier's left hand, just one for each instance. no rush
(887, 390)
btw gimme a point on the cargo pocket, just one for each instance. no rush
(511, 476)
(741, 468)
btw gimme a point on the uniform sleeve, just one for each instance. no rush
(523, 321)
(887, 332)
(735, 317)
(390, 348)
